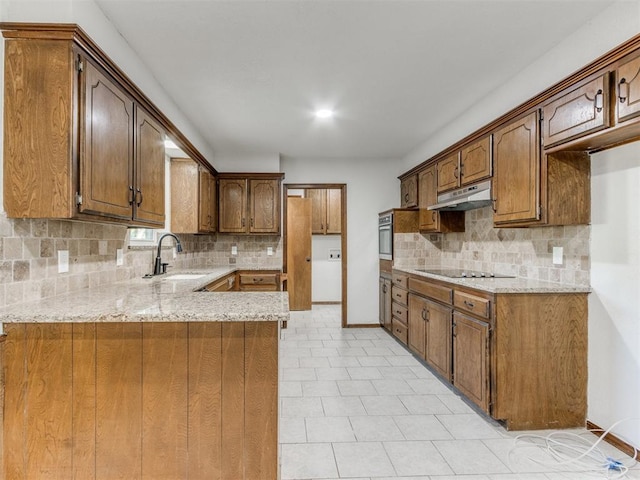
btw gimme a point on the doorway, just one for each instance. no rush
(328, 224)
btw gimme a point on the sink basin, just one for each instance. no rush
(186, 276)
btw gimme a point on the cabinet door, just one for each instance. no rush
(149, 170)
(448, 173)
(213, 203)
(334, 210)
(385, 303)
(106, 157)
(205, 218)
(232, 205)
(438, 338)
(418, 308)
(582, 110)
(471, 359)
(516, 180)
(409, 192)
(184, 195)
(265, 206)
(428, 195)
(318, 209)
(475, 161)
(628, 90)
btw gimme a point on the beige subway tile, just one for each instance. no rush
(21, 270)
(62, 283)
(14, 293)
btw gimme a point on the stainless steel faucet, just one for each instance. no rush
(159, 268)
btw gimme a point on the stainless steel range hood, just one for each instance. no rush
(466, 198)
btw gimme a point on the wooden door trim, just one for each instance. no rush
(343, 235)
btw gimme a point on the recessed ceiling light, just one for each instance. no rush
(169, 144)
(324, 113)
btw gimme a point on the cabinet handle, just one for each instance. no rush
(252, 221)
(243, 221)
(406, 197)
(424, 314)
(623, 85)
(399, 312)
(494, 202)
(138, 203)
(597, 102)
(398, 295)
(131, 195)
(455, 172)
(453, 329)
(384, 289)
(468, 304)
(433, 216)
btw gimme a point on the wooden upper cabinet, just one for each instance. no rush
(149, 170)
(78, 143)
(193, 204)
(516, 178)
(207, 205)
(249, 203)
(432, 221)
(409, 192)
(107, 155)
(448, 173)
(232, 205)
(264, 205)
(476, 161)
(583, 110)
(326, 210)
(628, 90)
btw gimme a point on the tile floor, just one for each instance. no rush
(355, 404)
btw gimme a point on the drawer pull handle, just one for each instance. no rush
(598, 101)
(623, 85)
(469, 304)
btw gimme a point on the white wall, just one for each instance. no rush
(614, 304)
(370, 189)
(326, 274)
(269, 162)
(612, 27)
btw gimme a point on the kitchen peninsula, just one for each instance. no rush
(147, 378)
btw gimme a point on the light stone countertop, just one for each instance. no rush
(156, 299)
(503, 285)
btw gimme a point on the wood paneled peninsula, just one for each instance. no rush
(515, 347)
(147, 378)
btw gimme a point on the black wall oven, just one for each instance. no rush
(385, 236)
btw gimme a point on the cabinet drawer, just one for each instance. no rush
(400, 312)
(399, 295)
(399, 330)
(400, 280)
(583, 110)
(476, 305)
(222, 285)
(258, 279)
(431, 290)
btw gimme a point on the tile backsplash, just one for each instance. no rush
(29, 256)
(524, 252)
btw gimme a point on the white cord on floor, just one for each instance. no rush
(568, 448)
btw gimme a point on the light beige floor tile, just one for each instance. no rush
(332, 373)
(329, 429)
(362, 459)
(343, 406)
(421, 427)
(301, 407)
(411, 458)
(468, 426)
(390, 386)
(324, 352)
(373, 361)
(455, 404)
(292, 430)
(356, 387)
(470, 457)
(320, 388)
(290, 389)
(384, 405)
(424, 404)
(290, 374)
(428, 386)
(307, 461)
(344, 362)
(403, 361)
(375, 428)
(314, 362)
(397, 372)
(364, 373)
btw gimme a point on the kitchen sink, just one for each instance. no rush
(186, 276)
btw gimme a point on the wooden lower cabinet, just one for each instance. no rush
(141, 400)
(384, 311)
(471, 359)
(521, 357)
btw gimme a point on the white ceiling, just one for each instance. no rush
(249, 74)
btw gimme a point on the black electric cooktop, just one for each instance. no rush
(459, 273)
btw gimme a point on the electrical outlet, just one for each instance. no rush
(557, 255)
(234, 250)
(63, 261)
(334, 254)
(119, 257)
(269, 251)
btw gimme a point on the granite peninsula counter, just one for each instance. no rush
(143, 378)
